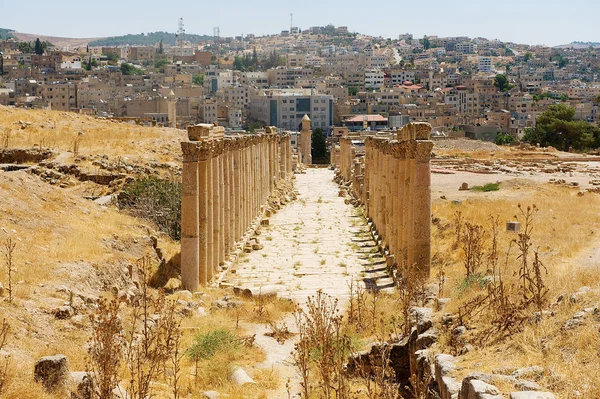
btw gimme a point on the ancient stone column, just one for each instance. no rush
(422, 208)
(210, 212)
(236, 189)
(190, 248)
(216, 226)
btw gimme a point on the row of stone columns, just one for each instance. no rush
(393, 184)
(227, 181)
(398, 198)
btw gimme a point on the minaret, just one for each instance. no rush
(172, 109)
(306, 141)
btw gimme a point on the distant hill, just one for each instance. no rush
(147, 39)
(6, 34)
(579, 45)
(60, 42)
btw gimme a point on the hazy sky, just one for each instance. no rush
(549, 22)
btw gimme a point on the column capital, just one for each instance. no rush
(423, 150)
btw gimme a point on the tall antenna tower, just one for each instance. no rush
(291, 22)
(180, 33)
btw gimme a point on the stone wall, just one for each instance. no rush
(392, 183)
(227, 182)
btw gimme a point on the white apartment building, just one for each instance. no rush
(486, 64)
(374, 78)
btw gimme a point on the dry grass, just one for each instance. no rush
(564, 228)
(59, 130)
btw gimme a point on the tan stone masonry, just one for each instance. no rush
(393, 184)
(227, 182)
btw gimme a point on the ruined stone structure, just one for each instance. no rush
(172, 109)
(305, 142)
(227, 183)
(392, 182)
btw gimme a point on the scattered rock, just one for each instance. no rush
(534, 372)
(211, 394)
(52, 372)
(240, 377)
(422, 318)
(62, 312)
(476, 389)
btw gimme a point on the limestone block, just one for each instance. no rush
(240, 377)
(422, 318)
(476, 389)
(447, 386)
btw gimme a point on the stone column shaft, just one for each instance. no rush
(190, 229)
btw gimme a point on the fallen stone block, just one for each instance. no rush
(52, 372)
(240, 377)
(476, 389)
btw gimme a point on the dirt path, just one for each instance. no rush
(314, 243)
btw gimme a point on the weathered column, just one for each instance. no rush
(236, 190)
(216, 174)
(222, 202)
(210, 213)
(422, 207)
(190, 244)
(227, 190)
(288, 154)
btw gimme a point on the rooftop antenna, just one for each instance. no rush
(180, 33)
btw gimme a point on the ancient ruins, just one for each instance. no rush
(389, 175)
(227, 181)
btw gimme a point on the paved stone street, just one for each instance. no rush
(316, 242)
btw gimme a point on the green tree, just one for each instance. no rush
(527, 56)
(159, 65)
(25, 48)
(562, 61)
(39, 49)
(556, 127)
(426, 43)
(128, 69)
(198, 79)
(319, 151)
(501, 82)
(352, 91)
(161, 49)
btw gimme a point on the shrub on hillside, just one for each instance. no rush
(156, 199)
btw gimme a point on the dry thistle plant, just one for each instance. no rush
(150, 335)
(472, 246)
(458, 227)
(8, 251)
(105, 348)
(322, 345)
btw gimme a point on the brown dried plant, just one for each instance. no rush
(322, 345)
(105, 348)
(472, 245)
(8, 250)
